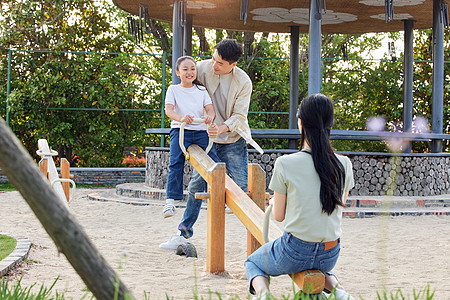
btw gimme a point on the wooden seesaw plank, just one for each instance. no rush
(246, 211)
(237, 200)
(257, 192)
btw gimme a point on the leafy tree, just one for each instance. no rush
(362, 89)
(47, 84)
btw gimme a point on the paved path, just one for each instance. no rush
(358, 206)
(20, 253)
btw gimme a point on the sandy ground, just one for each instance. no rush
(380, 253)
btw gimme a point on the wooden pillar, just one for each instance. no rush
(65, 173)
(257, 190)
(215, 255)
(43, 167)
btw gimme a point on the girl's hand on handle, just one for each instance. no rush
(213, 131)
(187, 119)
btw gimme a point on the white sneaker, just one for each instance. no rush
(263, 296)
(169, 208)
(174, 242)
(342, 295)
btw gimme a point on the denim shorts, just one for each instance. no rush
(287, 255)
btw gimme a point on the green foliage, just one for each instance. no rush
(270, 77)
(362, 89)
(17, 292)
(426, 293)
(7, 245)
(7, 187)
(93, 108)
(109, 88)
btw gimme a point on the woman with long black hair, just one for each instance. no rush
(310, 189)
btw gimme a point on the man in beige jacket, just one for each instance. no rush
(230, 89)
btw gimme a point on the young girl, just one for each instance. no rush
(310, 189)
(184, 102)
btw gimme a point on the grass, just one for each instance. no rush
(7, 245)
(6, 187)
(17, 292)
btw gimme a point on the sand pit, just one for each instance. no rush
(380, 253)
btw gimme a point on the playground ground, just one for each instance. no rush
(379, 253)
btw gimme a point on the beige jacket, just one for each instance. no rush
(238, 101)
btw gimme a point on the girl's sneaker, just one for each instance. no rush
(342, 295)
(263, 296)
(169, 208)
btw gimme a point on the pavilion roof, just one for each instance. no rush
(342, 16)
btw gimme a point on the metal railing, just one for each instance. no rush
(259, 133)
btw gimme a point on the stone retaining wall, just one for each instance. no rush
(375, 173)
(3, 178)
(103, 176)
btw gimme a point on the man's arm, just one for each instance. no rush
(210, 114)
(240, 108)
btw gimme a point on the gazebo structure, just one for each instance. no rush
(313, 17)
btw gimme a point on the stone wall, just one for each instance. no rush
(3, 178)
(375, 173)
(103, 176)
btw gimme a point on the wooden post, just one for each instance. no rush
(65, 231)
(45, 152)
(237, 200)
(256, 188)
(215, 255)
(43, 167)
(65, 173)
(244, 209)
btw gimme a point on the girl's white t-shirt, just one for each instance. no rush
(188, 101)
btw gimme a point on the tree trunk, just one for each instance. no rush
(57, 220)
(204, 46)
(249, 38)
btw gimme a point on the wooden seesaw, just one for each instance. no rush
(61, 185)
(248, 209)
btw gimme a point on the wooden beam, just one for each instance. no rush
(201, 162)
(65, 173)
(215, 253)
(43, 167)
(256, 188)
(67, 234)
(237, 200)
(247, 211)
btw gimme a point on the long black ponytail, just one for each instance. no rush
(317, 115)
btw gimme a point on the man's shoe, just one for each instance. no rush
(174, 242)
(169, 208)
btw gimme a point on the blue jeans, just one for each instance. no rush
(174, 189)
(287, 255)
(235, 156)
